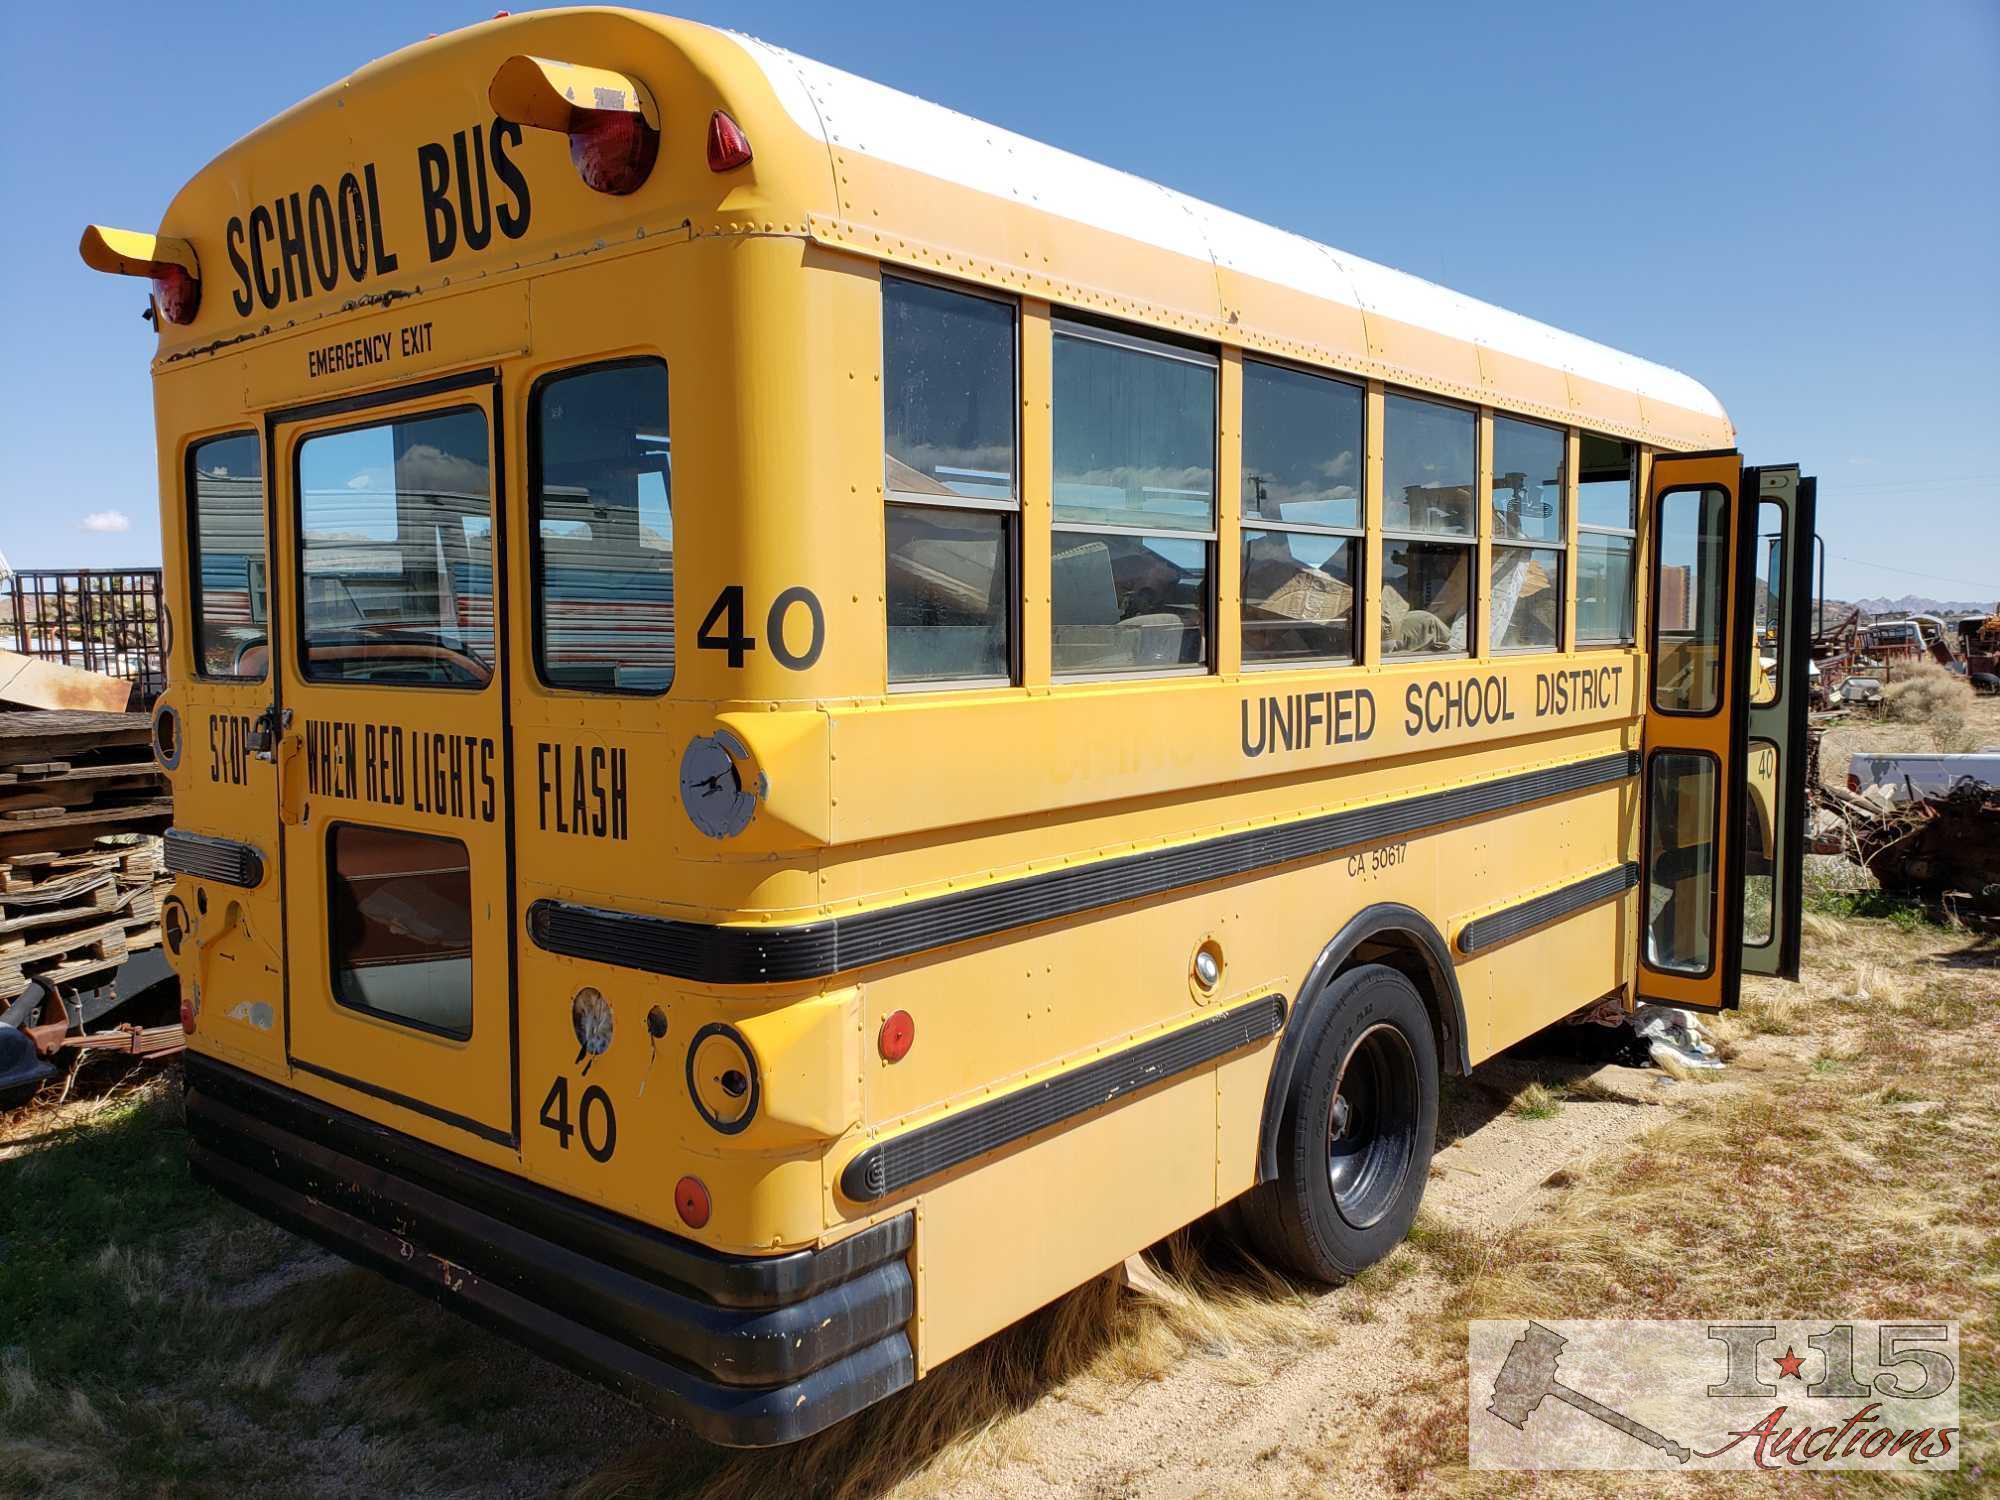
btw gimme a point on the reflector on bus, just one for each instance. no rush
(612, 121)
(170, 264)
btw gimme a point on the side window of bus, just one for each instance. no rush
(226, 577)
(952, 482)
(1302, 538)
(1530, 536)
(1429, 538)
(1134, 494)
(1606, 530)
(600, 496)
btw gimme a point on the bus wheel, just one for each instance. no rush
(1360, 1120)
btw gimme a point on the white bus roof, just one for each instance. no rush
(851, 113)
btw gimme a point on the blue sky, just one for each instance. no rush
(1798, 204)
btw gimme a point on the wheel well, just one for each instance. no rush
(1398, 937)
(1406, 955)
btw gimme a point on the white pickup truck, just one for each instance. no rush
(1906, 776)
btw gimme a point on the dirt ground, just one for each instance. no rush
(154, 1340)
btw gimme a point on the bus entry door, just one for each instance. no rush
(1774, 825)
(392, 756)
(1693, 772)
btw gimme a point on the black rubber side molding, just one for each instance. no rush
(226, 860)
(902, 1161)
(1495, 928)
(770, 955)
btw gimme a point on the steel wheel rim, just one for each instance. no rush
(1371, 1126)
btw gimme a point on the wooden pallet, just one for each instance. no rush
(81, 877)
(96, 945)
(40, 738)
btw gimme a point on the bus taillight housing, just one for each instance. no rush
(611, 121)
(168, 263)
(613, 151)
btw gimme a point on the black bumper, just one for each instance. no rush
(748, 1351)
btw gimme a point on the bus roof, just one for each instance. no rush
(855, 166)
(854, 114)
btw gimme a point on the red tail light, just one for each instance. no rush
(187, 1015)
(178, 295)
(728, 146)
(613, 149)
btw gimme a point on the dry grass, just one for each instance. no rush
(1233, 1316)
(1535, 1102)
(1927, 695)
(1860, 1179)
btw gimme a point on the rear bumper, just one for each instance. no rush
(748, 1351)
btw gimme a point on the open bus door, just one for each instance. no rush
(1694, 772)
(1774, 829)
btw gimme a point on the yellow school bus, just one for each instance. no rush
(797, 722)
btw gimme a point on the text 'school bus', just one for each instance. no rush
(797, 722)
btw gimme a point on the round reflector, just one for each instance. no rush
(691, 1202)
(898, 1032)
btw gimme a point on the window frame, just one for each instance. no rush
(1477, 588)
(192, 522)
(1356, 535)
(1630, 533)
(488, 412)
(911, 500)
(1071, 323)
(532, 451)
(1558, 545)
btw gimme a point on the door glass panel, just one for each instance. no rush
(1760, 842)
(1767, 604)
(1680, 861)
(396, 553)
(400, 926)
(1688, 579)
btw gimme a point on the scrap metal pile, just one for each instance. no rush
(1943, 849)
(81, 810)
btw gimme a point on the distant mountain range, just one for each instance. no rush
(1914, 604)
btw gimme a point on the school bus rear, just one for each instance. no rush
(409, 727)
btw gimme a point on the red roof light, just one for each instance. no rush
(728, 146)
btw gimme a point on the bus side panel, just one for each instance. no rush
(1014, 1233)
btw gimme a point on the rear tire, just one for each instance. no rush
(1356, 1135)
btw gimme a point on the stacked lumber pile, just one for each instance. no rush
(81, 810)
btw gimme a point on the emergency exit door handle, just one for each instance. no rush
(264, 733)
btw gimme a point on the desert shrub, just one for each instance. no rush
(1926, 694)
